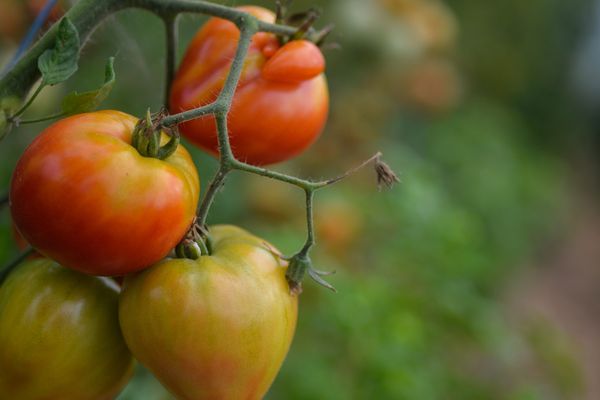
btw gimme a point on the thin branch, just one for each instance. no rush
(225, 98)
(172, 40)
(216, 183)
(176, 119)
(28, 103)
(13, 263)
(310, 229)
(351, 171)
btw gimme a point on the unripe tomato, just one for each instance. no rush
(218, 327)
(60, 336)
(83, 196)
(281, 103)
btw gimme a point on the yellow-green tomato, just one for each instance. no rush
(215, 328)
(60, 336)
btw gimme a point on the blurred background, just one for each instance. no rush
(478, 277)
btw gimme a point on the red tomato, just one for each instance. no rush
(281, 103)
(214, 328)
(83, 196)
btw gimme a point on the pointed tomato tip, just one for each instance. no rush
(296, 61)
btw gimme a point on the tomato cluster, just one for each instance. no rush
(95, 199)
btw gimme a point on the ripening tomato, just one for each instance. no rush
(218, 327)
(281, 103)
(60, 335)
(83, 196)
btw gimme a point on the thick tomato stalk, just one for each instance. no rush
(218, 327)
(281, 103)
(83, 196)
(60, 335)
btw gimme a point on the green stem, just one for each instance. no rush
(172, 39)
(33, 121)
(176, 119)
(216, 184)
(310, 236)
(13, 263)
(293, 180)
(28, 103)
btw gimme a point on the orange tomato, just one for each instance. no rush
(280, 106)
(83, 196)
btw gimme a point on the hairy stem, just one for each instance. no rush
(310, 235)
(247, 29)
(216, 184)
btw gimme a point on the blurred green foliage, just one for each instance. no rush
(422, 269)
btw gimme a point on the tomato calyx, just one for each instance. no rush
(299, 265)
(304, 22)
(195, 244)
(147, 134)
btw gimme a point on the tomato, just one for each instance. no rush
(83, 196)
(218, 327)
(60, 335)
(281, 103)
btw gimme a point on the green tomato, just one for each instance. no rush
(218, 327)
(60, 335)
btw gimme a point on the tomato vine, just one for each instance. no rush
(86, 15)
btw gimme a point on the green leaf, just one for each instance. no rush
(75, 103)
(59, 63)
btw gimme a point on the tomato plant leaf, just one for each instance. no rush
(75, 103)
(60, 62)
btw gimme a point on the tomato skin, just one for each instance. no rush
(214, 328)
(60, 335)
(281, 103)
(83, 196)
